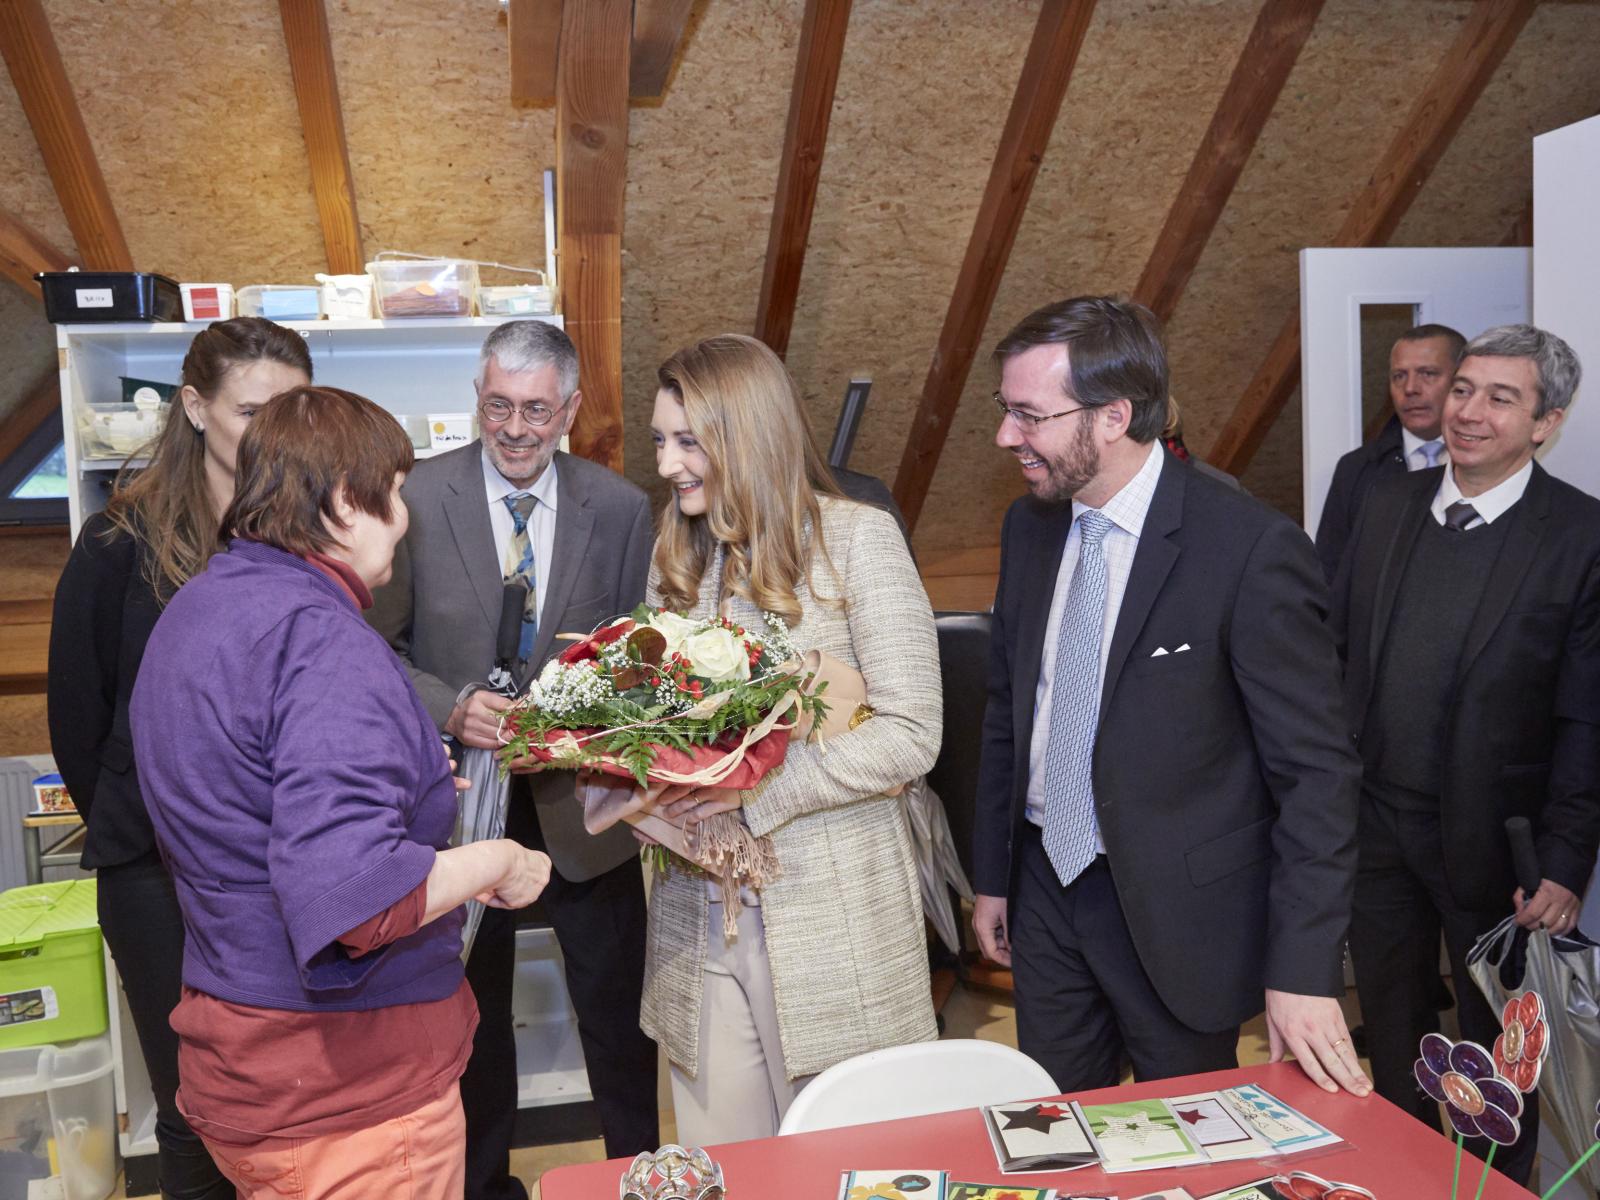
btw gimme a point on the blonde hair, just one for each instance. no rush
(765, 474)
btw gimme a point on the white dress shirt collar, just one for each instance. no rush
(1129, 507)
(1488, 505)
(499, 487)
(1410, 443)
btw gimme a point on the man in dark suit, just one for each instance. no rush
(1165, 834)
(510, 506)
(1468, 608)
(1421, 364)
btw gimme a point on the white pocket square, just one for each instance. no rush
(1159, 651)
(1181, 648)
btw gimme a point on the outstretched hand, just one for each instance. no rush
(1312, 1028)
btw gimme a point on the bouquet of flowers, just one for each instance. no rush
(660, 698)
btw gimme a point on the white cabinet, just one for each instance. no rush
(413, 368)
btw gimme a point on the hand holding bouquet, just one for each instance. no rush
(660, 698)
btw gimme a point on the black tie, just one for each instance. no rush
(1459, 515)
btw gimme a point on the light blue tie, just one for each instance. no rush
(1432, 450)
(1069, 821)
(520, 559)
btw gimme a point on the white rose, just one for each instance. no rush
(717, 655)
(674, 628)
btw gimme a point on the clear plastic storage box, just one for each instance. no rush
(424, 287)
(117, 430)
(281, 301)
(58, 1120)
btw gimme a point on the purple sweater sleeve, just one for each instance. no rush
(350, 764)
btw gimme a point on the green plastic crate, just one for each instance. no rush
(52, 973)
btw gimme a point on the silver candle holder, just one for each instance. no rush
(672, 1173)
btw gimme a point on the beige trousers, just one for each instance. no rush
(740, 1091)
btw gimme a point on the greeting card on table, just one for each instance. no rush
(1217, 1128)
(1284, 1129)
(1138, 1135)
(996, 1191)
(1038, 1137)
(893, 1185)
(1168, 1194)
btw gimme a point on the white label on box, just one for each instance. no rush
(35, 1004)
(46, 1189)
(94, 297)
(448, 430)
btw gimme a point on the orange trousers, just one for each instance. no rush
(418, 1156)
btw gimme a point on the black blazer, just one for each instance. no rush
(1523, 732)
(104, 612)
(1224, 784)
(1353, 477)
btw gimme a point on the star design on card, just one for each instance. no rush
(1191, 1116)
(1039, 1116)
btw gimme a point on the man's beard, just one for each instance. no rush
(1073, 470)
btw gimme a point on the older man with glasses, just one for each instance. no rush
(511, 506)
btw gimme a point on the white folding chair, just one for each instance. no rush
(915, 1080)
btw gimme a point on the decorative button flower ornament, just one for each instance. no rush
(1519, 1051)
(1478, 1099)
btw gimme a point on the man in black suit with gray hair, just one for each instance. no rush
(1468, 611)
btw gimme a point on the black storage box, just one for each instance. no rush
(74, 297)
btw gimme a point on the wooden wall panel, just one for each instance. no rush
(27, 348)
(443, 163)
(25, 189)
(192, 112)
(1106, 183)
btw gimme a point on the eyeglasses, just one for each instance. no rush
(534, 414)
(1028, 420)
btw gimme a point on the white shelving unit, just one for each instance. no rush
(413, 368)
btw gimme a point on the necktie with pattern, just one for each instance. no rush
(519, 565)
(1459, 515)
(1069, 820)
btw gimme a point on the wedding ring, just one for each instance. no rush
(1339, 1043)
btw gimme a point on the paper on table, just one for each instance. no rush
(1038, 1137)
(893, 1185)
(997, 1191)
(1217, 1128)
(1138, 1135)
(1286, 1130)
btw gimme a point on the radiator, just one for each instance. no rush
(16, 800)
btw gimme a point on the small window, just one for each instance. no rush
(33, 481)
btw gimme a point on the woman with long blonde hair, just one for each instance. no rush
(829, 960)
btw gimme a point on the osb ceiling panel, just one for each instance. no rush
(192, 114)
(443, 164)
(25, 190)
(27, 348)
(701, 171)
(1147, 81)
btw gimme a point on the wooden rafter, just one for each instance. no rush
(52, 110)
(1270, 52)
(591, 170)
(658, 27)
(1043, 84)
(816, 73)
(533, 33)
(1462, 74)
(316, 89)
(24, 253)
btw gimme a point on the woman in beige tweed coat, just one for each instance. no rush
(830, 959)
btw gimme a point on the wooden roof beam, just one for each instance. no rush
(591, 171)
(533, 32)
(1270, 52)
(52, 109)
(24, 253)
(316, 90)
(816, 75)
(1042, 86)
(1459, 79)
(658, 28)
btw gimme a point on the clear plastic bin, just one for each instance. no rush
(58, 1116)
(207, 301)
(424, 287)
(346, 297)
(117, 430)
(281, 301)
(523, 299)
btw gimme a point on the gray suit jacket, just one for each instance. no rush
(440, 610)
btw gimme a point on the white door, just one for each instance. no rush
(1467, 289)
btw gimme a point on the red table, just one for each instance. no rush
(1387, 1152)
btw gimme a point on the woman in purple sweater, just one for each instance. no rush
(303, 802)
